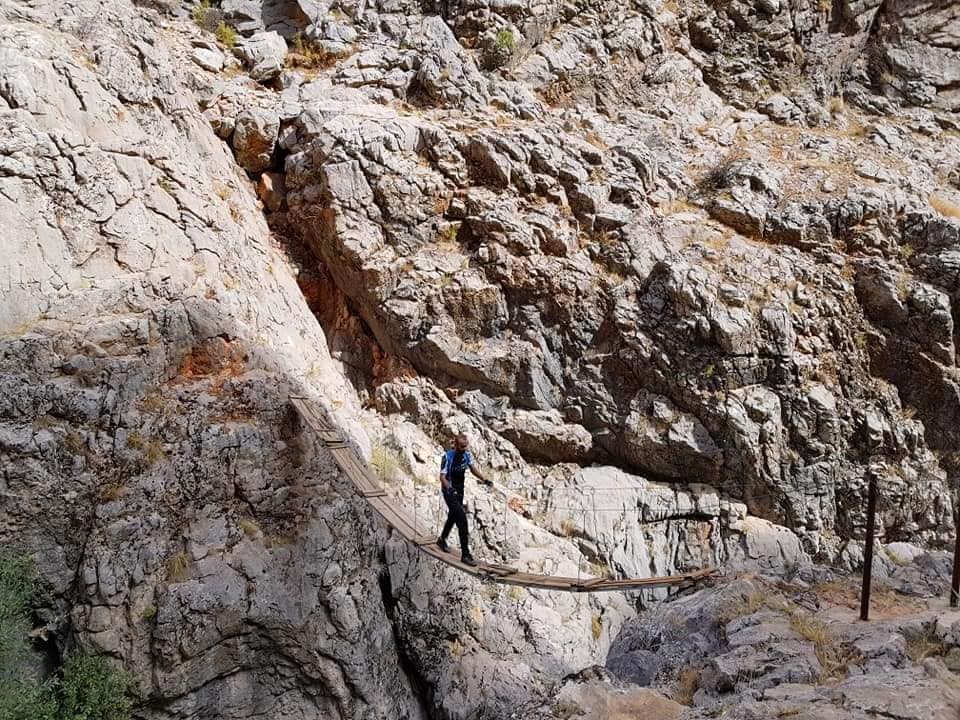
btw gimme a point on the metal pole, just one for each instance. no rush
(955, 581)
(868, 548)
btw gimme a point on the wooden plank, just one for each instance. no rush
(498, 570)
(327, 432)
(593, 582)
(353, 466)
(395, 519)
(314, 420)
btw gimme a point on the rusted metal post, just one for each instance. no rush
(955, 582)
(868, 547)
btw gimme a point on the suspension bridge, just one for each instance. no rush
(365, 481)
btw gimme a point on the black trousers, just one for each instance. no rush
(456, 515)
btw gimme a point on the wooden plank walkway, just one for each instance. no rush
(369, 487)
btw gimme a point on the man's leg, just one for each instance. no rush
(448, 525)
(459, 516)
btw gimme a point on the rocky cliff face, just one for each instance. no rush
(685, 272)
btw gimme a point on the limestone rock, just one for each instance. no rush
(254, 139)
(263, 53)
(208, 59)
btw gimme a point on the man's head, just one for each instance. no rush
(460, 442)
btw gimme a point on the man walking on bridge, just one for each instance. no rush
(453, 468)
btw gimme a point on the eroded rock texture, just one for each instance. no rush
(685, 272)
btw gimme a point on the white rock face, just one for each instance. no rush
(679, 315)
(151, 333)
(208, 59)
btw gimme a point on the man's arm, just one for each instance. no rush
(444, 484)
(473, 469)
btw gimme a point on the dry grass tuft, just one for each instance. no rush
(715, 177)
(154, 452)
(594, 139)
(566, 709)
(387, 464)
(199, 12)
(688, 680)
(277, 540)
(810, 628)
(744, 606)
(596, 626)
(924, 644)
(834, 655)
(944, 206)
(153, 403)
(568, 527)
(680, 205)
(250, 527)
(110, 492)
(307, 57)
(178, 567)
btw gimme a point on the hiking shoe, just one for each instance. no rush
(442, 544)
(468, 560)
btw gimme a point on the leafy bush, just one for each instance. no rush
(27, 701)
(200, 11)
(18, 586)
(89, 687)
(227, 35)
(93, 689)
(206, 16)
(499, 49)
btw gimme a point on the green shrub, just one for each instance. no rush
(21, 698)
(499, 49)
(89, 687)
(200, 11)
(18, 586)
(206, 16)
(27, 701)
(227, 35)
(93, 689)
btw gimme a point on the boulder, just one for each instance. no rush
(263, 53)
(272, 190)
(255, 138)
(544, 435)
(211, 60)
